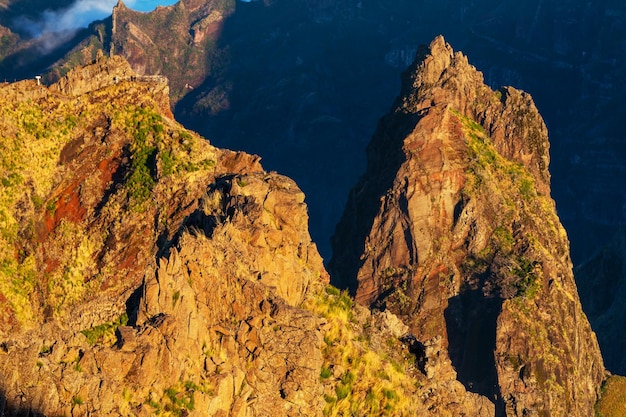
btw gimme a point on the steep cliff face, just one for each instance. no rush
(453, 228)
(144, 270)
(177, 41)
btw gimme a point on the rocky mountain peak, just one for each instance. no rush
(434, 60)
(441, 76)
(103, 72)
(120, 5)
(452, 227)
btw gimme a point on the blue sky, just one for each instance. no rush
(81, 13)
(147, 5)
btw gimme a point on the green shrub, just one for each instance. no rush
(325, 373)
(104, 332)
(374, 383)
(330, 290)
(343, 391)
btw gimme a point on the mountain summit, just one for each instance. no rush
(144, 271)
(452, 227)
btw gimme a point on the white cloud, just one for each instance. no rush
(80, 15)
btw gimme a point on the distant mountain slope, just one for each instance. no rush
(602, 291)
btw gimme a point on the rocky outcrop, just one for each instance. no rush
(104, 73)
(144, 270)
(452, 227)
(209, 335)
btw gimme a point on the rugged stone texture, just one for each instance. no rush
(86, 179)
(266, 233)
(207, 334)
(214, 328)
(452, 227)
(107, 72)
(176, 41)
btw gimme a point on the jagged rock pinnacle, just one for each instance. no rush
(452, 227)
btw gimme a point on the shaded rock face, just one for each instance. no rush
(602, 291)
(453, 228)
(177, 41)
(144, 270)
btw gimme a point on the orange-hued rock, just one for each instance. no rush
(143, 269)
(453, 228)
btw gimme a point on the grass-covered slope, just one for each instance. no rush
(86, 183)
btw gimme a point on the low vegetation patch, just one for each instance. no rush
(155, 154)
(42, 139)
(358, 379)
(178, 400)
(612, 402)
(513, 204)
(105, 333)
(32, 134)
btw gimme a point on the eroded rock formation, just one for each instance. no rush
(144, 270)
(452, 227)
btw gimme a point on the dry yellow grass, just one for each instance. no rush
(33, 132)
(36, 124)
(612, 403)
(358, 379)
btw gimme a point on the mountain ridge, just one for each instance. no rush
(168, 276)
(123, 187)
